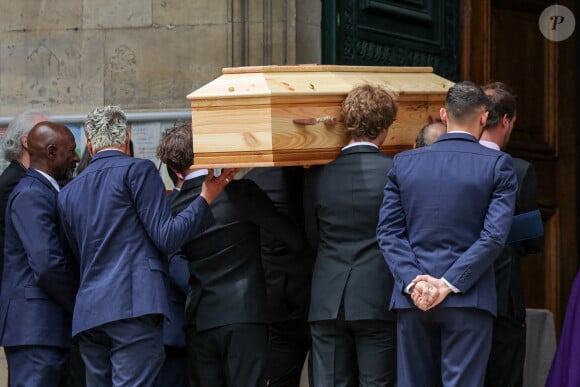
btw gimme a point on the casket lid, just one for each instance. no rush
(257, 82)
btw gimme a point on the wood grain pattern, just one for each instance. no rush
(247, 118)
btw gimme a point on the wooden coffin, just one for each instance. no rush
(290, 115)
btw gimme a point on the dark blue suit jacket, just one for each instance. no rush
(117, 216)
(40, 279)
(446, 212)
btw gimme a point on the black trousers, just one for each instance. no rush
(230, 356)
(508, 351)
(75, 368)
(354, 353)
(289, 342)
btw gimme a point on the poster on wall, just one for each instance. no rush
(78, 132)
(145, 137)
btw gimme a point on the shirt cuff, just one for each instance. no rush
(453, 288)
(408, 288)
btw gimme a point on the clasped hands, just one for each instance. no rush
(428, 291)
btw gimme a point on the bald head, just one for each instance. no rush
(52, 149)
(430, 133)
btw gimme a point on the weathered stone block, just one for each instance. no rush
(156, 68)
(40, 15)
(59, 71)
(117, 14)
(187, 12)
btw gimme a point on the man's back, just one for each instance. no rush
(226, 274)
(342, 201)
(120, 225)
(445, 191)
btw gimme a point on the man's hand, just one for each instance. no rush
(424, 294)
(213, 186)
(430, 298)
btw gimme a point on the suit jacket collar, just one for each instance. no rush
(457, 136)
(16, 165)
(109, 153)
(38, 176)
(359, 149)
(193, 184)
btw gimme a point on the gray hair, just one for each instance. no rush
(20, 126)
(106, 126)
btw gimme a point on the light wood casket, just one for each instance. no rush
(290, 115)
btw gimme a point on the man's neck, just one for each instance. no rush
(474, 130)
(490, 135)
(24, 159)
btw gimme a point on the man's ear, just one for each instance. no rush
(505, 121)
(483, 118)
(90, 147)
(51, 152)
(24, 142)
(443, 115)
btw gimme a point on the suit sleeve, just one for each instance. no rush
(150, 199)
(35, 219)
(468, 268)
(392, 235)
(179, 272)
(527, 200)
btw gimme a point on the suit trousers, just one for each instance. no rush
(233, 355)
(508, 352)
(443, 347)
(289, 343)
(353, 353)
(124, 353)
(35, 365)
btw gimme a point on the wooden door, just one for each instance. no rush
(502, 42)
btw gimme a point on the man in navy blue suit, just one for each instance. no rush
(445, 217)
(117, 217)
(40, 279)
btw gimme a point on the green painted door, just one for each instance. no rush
(392, 33)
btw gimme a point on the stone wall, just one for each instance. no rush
(67, 56)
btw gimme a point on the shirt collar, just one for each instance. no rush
(194, 174)
(50, 179)
(360, 143)
(489, 144)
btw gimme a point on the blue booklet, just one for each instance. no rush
(525, 226)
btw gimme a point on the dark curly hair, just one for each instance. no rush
(176, 148)
(367, 110)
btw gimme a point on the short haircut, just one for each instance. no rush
(18, 127)
(106, 126)
(503, 102)
(464, 100)
(426, 136)
(367, 110)
(176, 148)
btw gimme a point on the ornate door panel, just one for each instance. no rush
(393, 33)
